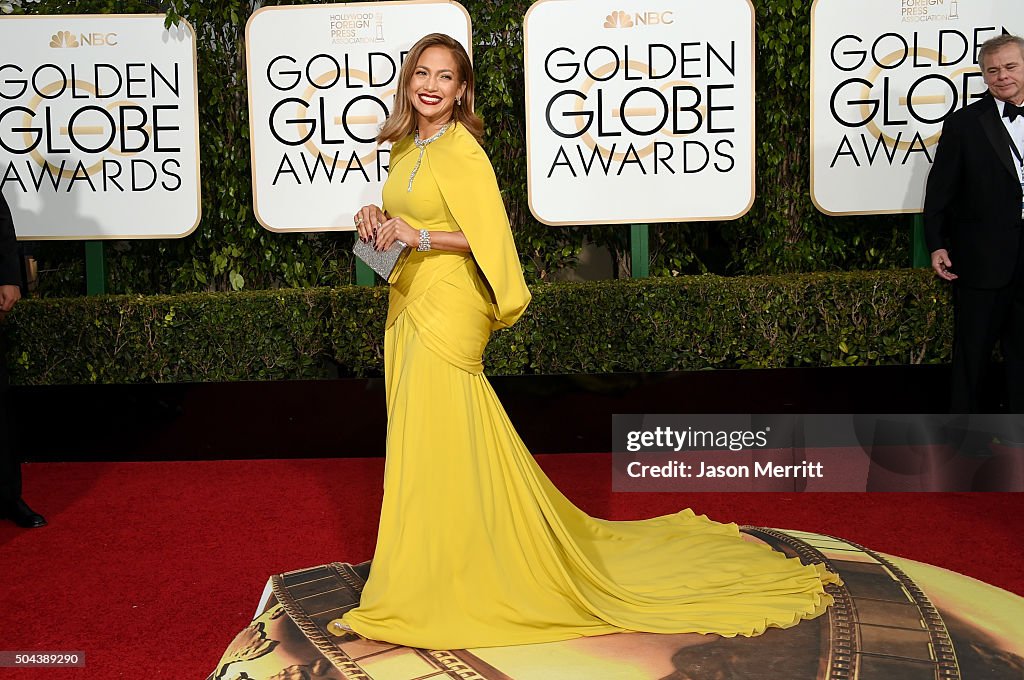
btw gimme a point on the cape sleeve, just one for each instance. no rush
(470, 190)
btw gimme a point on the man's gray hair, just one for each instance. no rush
(1000, 41)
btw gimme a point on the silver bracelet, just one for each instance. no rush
(424, 245)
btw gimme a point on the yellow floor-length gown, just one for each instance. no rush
(476, 547)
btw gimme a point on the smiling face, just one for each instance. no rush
(1004, 73)
(433, 88)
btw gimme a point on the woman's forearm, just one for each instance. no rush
(447, 241)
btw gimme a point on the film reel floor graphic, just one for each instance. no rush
(893, 619)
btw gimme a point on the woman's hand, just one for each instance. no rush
(396, 229)
(367, 221)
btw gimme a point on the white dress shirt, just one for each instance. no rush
(1016, 130)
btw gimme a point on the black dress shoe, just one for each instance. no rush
(24, 516)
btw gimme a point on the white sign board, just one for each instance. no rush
(884, 74)
(322, 80)
(99, 128)
(639, 111)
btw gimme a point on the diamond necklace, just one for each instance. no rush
(421, 144)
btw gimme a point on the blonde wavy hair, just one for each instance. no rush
(402, 121)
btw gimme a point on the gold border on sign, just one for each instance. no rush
(195, 126)
(249, 81)
(753, 137)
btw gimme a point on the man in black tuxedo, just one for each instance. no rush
(973, 218)
(12, 507)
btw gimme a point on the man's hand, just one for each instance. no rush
(8, 296)
(941, 264)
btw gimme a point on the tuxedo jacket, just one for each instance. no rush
(10, 269)
(973, 199)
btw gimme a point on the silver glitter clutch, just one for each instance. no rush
(381, 261)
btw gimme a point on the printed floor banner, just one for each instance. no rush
(639, 111)
(884, 74)
(322, 80)
(892, 619)
(99, 126)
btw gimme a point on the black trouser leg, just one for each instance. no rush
(1013, 350)
(979, 322)
(10, 466)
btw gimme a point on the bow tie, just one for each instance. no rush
(1010, 111)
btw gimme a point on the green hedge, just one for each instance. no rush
(783, 232)
(683, 323)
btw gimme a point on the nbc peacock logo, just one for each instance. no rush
(618, 19)
(63, 39)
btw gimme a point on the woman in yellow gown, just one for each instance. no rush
(476, 547)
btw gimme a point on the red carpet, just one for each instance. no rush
(151, 568)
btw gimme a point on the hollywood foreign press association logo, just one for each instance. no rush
(929, 10)
(357, 26)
